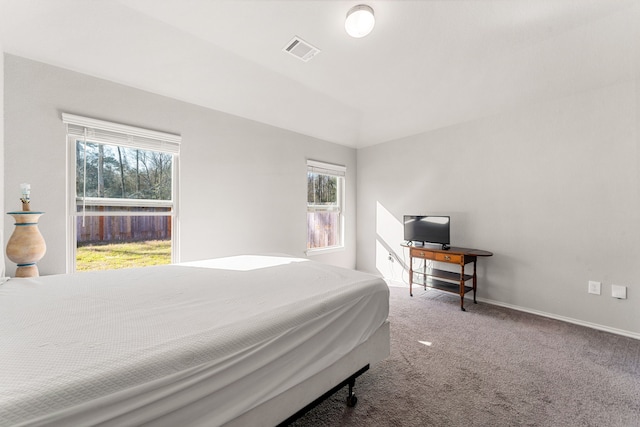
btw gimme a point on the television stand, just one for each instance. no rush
(444, 280)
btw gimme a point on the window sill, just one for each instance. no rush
(322, 251)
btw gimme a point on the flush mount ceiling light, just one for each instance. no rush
(360, 21)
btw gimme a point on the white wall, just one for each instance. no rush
(2, 211)
(243, 184)
(552, 189)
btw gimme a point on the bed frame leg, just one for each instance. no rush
(351, 398)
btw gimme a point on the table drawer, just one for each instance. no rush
(436, 256)
(421, 253)
(457, 259)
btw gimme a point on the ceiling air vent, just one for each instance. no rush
(301, 49)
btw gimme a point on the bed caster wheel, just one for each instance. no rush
(352, 400)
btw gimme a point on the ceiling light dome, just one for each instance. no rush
(360, 21)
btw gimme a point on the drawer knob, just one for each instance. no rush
(447, 257)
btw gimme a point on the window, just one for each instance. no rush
(122, 195)
(325, 206)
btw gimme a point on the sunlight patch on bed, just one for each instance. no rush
(243, 262)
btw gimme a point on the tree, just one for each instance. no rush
(108, 173)
(321, 189)
(121, 172)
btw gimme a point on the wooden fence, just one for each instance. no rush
(323, 229)
(123, 228)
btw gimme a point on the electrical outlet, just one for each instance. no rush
(594, 287)
(390, 258)
(619, 292)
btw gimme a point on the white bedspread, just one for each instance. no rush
(128, 347)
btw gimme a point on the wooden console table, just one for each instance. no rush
(444, 280)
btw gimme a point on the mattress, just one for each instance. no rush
(133, 347)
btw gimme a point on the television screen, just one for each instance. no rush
(427, 229)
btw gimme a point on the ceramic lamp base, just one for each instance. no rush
(27, 271)
(26, 246)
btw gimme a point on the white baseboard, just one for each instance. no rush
(604, 328)
(564, 319)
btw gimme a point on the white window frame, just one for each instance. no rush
(340, 172)
(114, 134)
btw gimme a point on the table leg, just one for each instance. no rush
(474, 281)
(424, 273)
(462, 287)
(410, 275)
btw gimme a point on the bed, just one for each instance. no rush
(243, 340)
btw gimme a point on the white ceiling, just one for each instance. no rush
(427, 64)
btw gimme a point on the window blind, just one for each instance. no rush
(122, 135)
(326, 168)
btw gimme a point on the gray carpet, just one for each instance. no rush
(489, 366)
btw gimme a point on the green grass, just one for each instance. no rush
(123, 255)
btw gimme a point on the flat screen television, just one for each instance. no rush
(422, 229)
